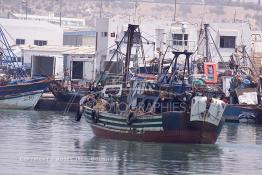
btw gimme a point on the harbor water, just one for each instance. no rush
(33, 142)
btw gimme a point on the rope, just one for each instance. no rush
(69, 104)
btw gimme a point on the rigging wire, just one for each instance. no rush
(107, 67)
(10, 54)
(220, 56)
(257, 74)
(164, 43)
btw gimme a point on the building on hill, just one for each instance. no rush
(51, 18)
(28, 32)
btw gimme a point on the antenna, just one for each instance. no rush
(207, 43)
(235, 14)
(101, 8)
(136, 6)
(204, 11)
(175, 11)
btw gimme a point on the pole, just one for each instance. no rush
(101, 8)
(25, 3)
(207, 42)
(175, 12)
(26, 9)
(235, 14)
(136, 5)
(60, 12)
(130, 36)
(1, 8)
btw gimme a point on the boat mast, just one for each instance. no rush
(130, 39)
(207, 59)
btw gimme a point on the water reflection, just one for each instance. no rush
(64, 146)
(129, 157)
(241, 133)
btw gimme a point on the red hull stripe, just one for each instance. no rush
(175, 136)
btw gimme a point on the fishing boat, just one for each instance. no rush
(22, 94)
(259, 117)
(244, 88)
(200, 123)
(147, 110)
(239, 83)
(17, 90)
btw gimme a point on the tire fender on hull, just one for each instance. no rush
(131, 118)
(95, 117)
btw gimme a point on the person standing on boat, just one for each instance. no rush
(66, 77)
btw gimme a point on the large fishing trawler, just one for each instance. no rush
(146, 109)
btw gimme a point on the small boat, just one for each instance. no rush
(244, 100)
(141, 109)
(23, 94)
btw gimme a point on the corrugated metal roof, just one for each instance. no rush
(28, 23)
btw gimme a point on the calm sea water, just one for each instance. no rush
(49, 143)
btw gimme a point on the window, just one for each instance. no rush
(20, 41)
(113, 34)
(104, 34)
(19, 59)
(227, 41)
(40, 42)
(178, 39)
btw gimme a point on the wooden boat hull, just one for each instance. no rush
(22, 95)
(70, 97)
(174, 136)
(170, 127)
(21, 101)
